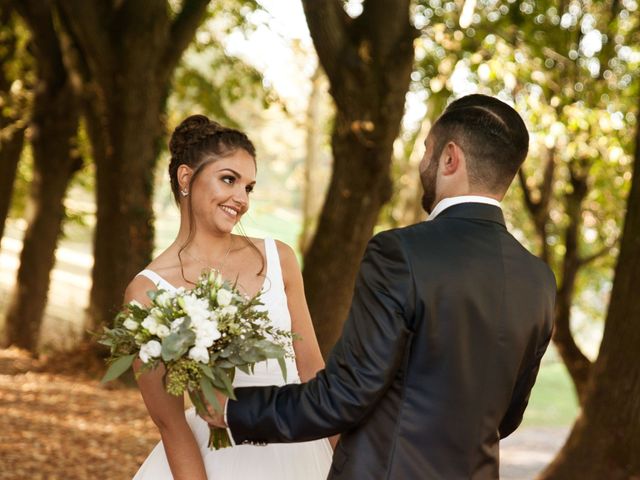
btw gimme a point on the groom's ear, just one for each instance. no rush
(452, 158)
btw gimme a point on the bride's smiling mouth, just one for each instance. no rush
(231, 211)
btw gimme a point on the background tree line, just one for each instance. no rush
(85, 88)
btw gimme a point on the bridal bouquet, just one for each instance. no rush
(200, 336)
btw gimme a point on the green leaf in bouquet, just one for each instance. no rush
(176, 344)
(283, 367)
(252, 355)
(228, 382)
(225, 364)
(118, 367)
(206, 369)
(244, 368)
(210, 394)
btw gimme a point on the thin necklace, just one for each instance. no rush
(206, 265)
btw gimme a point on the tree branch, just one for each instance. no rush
(328, 24)
(182, 30)
(582, 261)
(88, 20)
(38, 15)
(526, 191)
(546, 189)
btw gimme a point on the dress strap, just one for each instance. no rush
(157, 279)
(274, 271)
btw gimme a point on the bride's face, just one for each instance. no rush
(220, 193)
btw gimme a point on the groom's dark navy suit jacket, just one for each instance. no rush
(448, 324)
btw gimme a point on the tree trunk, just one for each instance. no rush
(368, 61)
(313, 145)
(126, 53)
(54, 126)
(605, 440)
(12, 121)
(123, 238)
(10, 151)
(578, 365)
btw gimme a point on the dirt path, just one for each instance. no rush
(528, 450)
(59, 424)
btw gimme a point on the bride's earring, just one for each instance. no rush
(184, 192)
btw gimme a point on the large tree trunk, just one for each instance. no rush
(54, 126)
(123, 238)
(12, 123)
(10, 151)
(313, 144)
(128, 50)
(368, 61)
(605, 440)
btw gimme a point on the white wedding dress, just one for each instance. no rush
(292, 461)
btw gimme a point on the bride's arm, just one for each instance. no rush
(308, 356)
(167, 411)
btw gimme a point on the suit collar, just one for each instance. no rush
(474, 211)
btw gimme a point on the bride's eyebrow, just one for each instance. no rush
(234, 172)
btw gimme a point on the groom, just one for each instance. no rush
(449, 320)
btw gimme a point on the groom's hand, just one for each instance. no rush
(215, 418)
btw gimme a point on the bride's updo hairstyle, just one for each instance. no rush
(198, 141)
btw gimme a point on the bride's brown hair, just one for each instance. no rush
(197, 142)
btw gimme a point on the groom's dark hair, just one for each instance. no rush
(491, 134)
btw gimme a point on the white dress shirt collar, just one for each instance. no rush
(451, 201)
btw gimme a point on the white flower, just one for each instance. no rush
(175, 325)
(130, 324)
(151, 349)
(135, 303)
(216, 278)
(156, 313)
(162, 331)
(151, 324)
(230, 310)
(196, 308)
(164, 299)
(207, 333)
(224, 297)
(199, 354)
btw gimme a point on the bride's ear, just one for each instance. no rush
(184, 176)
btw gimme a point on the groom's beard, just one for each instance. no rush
(428, 179)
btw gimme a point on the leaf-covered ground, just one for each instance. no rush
(58, 422)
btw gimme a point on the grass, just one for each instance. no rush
(553, 400)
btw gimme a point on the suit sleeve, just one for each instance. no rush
(527, 378)
(358, 371)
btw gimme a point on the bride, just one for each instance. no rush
(212, 173)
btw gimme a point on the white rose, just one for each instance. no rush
(230, 310)
(156, 313)
(196, 308)
(130, 324)
(199, 354)
(224, 297)
(162, 331)
(151, 324)
(207, 333)
(151, 349)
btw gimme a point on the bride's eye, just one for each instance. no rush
(249, 188)
(229, 179)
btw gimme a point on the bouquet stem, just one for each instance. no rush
(218, 437)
